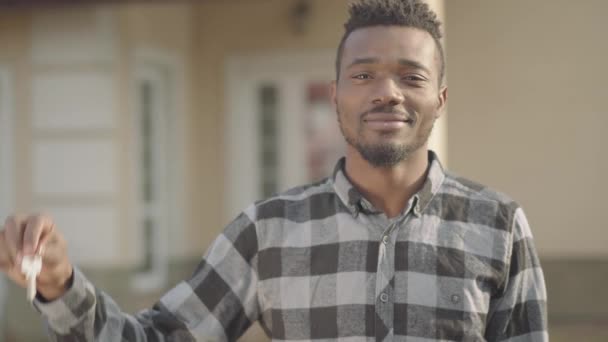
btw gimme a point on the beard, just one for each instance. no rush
(386, 154)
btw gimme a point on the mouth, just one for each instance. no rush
(387, 121)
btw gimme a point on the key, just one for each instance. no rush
(31, 267)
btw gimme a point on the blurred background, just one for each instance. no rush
(143, 127)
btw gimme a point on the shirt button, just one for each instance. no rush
(384, 297)
(455, 299)
(416, 210)
(385, 239)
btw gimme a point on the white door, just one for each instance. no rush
(150, 117)
(281, 130)
(158, 165)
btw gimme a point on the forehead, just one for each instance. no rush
(388, 44)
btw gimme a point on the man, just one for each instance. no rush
(390, 247)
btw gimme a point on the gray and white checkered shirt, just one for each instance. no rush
(320, 263)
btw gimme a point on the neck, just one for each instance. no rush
(388, 188)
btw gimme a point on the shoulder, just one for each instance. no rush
(479, 202)
(298, 203)
(461, 186)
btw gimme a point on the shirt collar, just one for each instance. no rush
(356, 203)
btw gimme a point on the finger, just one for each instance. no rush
(36, 226)
(52, 248)
(47, 236)
(13, 228)
(7, 264)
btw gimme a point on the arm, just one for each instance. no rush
(218, 303)
(519, 312)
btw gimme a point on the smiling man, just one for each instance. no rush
(390, 247)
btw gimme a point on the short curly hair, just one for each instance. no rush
(408, 13)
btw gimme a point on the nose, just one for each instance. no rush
(387, 92)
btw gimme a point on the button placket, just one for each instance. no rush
(384, 291)
(386, 239)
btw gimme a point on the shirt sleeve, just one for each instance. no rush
(519, 312)
(218, 303)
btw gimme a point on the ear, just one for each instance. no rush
(442, 99)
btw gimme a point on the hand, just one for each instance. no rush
(32, 235)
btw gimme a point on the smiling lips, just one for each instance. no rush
(387, 121)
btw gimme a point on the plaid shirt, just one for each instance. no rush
(320, 263)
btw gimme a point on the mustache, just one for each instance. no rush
(388, 109)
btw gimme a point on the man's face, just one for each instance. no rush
(388, 95)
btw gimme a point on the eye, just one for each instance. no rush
(412, 78)
(362, 76)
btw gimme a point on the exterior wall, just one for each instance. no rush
(527, 113)
(527, 116)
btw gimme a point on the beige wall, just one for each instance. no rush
(527, 112)
(14, 34)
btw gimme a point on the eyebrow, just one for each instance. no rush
(401, 61)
